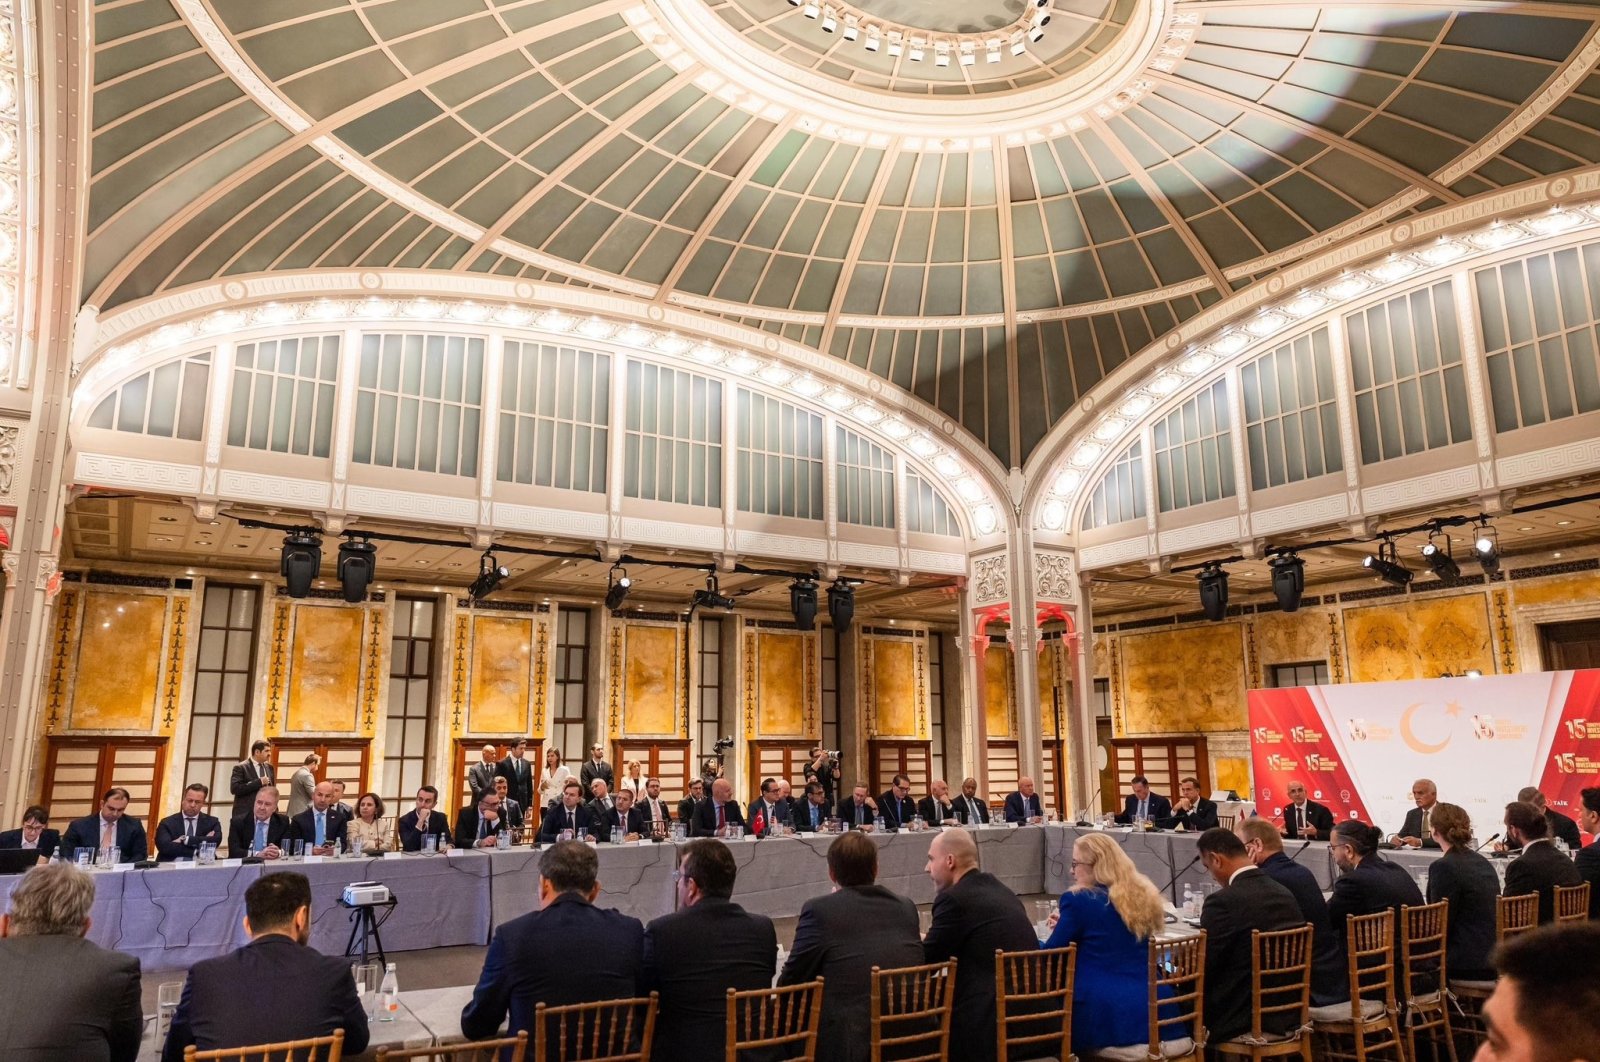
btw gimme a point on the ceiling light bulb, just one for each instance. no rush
(873, 40)
(811, 11)
(830, 21)
(852, 29)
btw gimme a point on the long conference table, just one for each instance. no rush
(176, 915)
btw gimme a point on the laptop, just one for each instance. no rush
(17, 860)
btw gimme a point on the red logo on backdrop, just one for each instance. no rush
(1316, 763)
(1574, 760)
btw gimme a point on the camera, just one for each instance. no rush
(722, 745)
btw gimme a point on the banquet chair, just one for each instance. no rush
(911, 1012)
(1369, 1020)
(1280, 984)
(1177, 967)
(1572, 903)
(775, 1022)
(1425, 1007)
(610, 1030)
(1515, 915)
(1033, 1002)
(1227, 819)
(477, 1051)
(287, 1051)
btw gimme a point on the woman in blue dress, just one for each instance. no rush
(1111, 912)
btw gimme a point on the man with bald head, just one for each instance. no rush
(319, 827)
(974, 916)
(1417, 832)
(1023, 805)
(480, 776)
(713, 817)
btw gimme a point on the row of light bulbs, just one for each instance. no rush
(914, 45)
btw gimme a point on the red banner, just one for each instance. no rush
(1289, 741)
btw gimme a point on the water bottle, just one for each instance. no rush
(1188, 901)
(616, 835)
(877, 824)
(389, 995)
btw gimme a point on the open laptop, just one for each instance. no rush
(17, 860)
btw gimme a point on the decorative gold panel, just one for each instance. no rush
(543, 634)
(119, 653)
(1184, 680)
(61, 661)
(1557, 590)
(1289, 638)
(460, 665)
(893, 688)
(172, 684)
(501, 681)
(1051, 658)
(1420, 639)
(652, 680)
(325, 666)
(784, 683)
(1233, 772)
(278, 667)
(1000, 692)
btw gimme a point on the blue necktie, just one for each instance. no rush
(813, 816)
(261, 836)
(321, 827)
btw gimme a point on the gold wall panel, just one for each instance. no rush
(500, 685)
(1100, 651)
(652, 681)
(1050, 659)
(1233, 772)
(325, 670)
(1557, 590)
(781, 670)
(1419, 639)
(1290, 638)
(894, 687)
(1184, 680)
(999, 684)
(120, 649)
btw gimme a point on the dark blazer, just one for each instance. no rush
(841, 937)
(974, 814)
(1540, 868)
(49, 840)
(597, 810)
(692, 957)
(896, 813)
(705, 817)
(686, 808)
(480, 779)
(411, 833)
(1468, 881)
(645, 815)
(555, 821)
(69, 1000)
(1159, 808)
(1201, 817)
(592, 770)
(1018, 810)
(303, 827)
(847, 814)
(538, 959)
(85, 833)
(467, 827)
(1412, 827)
(242, 832)
(244, 783)
(1318, 818)
(171, 842)
(519, 779)
(779, 814)
(934, 812)
(603, 824)
(1564, 828)
(1587, 861)
(1330, 978)
(973, 919)
(1253, 901)
(802, 816)
(1374, 884)
(271, 989)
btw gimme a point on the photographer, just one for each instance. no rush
(711, 768)
(824, 770)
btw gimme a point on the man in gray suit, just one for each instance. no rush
(480, 776)
(65, 997)
(302, 784)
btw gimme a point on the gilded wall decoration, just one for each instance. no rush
(785, 683)
(1422, 638)
(991, 580)
(373, 670)
(614, 695)
(1053, 577)
(1100, 654)
(1184, 680)
(1289, 638)
(460, 664)
(1503, 633)
(278, 666)
(1335, 648)
(325, 670)
(652, 679)
(543, 631)
(1052, 684)
(895, 688)
(1252, 666)
(501, 669)
(172, 692)
(1000, 692)
(61, 661)
(1556, 590)
(120, 650)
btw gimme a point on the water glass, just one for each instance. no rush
(110, 857)
(502, 840)
(564, 835)
(430, 842)
(368, 979)
(208, 853)
(297, 850)
(679, 831)
(85, 857)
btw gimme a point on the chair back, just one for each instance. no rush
(911, 1012)
(1280, 981)
(1514, 915)
(1369, 946)
(1423, 932)
(1572, 903)
(316, 1049)
(476, 1051)
(610, 1030)
(1227, 819)
(1033, 1002)
(1180, 967)
(775, 1022)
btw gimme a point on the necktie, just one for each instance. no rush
(1426, 815)
(1144, 812)
(860, 814)
(321, 828)
(188, 830)
(108, 834)
(483, 827)
(261, 771)
(722, 817)
(572, 820)
(813, 816)
(1302, 809)
(261, 835)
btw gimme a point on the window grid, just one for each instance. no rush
(405, 750)
(1119, 495)
(709, 680)
(780, 458)
(1405, 370)
(283, 395)
(571, 713)
(1194, 455)
(672, 446)
(1539, 335)
(865, 481)
(926, 510)
(1310, 673)
(1291, 413)
(1100, 698)
(419, 403)
(940, 754)
(222, 682)
(555, 408)
(830, 687)
(168, 401)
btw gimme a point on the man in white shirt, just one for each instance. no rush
(180, 836)
(652, 809)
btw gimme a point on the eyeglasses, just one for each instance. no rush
(1076, 863)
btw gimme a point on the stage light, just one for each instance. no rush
(1213, 579)
(1041, 19)
(710, 597)
(302, 559)
(1440, 562)
(358, 564)
(1487, 549)
(618, 586)
(841, 604)
(803, 603)
(1288, 580)
(490, 575)
(830, 21)
(1386, 565)
(873, 39)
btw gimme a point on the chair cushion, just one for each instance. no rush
(1334, 1012)
(1472, 986)
(1424, 1000)
(1270, 1038)
(1140, 1052)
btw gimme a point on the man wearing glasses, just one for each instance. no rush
(898, 807)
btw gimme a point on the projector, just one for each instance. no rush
(365, 893)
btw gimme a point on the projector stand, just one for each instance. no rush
(364, 923)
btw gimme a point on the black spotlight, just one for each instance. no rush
(803, 603)
(710, 597)
(841, 604)
(1213, 579)
(358, 564)
(1486, 547)
(302, 559)
(1440, 561)
(1288, 580)
(490, 574)
(619, 586)
(1386, 565)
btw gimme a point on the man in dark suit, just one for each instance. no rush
(857, 810)
(1560, 828)
(480, 826)
(814, 810)
(250, 776)
(319, 827)
(274, 988)
(1417, 830)
(180, 836)
(694, 955)
(601, 801)
(572, 814)
(1540, 868)
(1330, 981)
(35, 833)
(517, 770)
(771, 812)
(1143, 804)
(1024, 805)
(896, 805)
(653, 813)
(1367, 883)
(510, 809)
(1248, 900)
(1588, 859)
(111, 827)
(481, 775)
(537, 958)
(936, 808)
(622, 816)
(842, 936)
(263, 832)
(695, 797)
(1192, 811)
(971, 808)
(1303, 819)
(424, 820)
(823, 769)
(717, 813)
(596, 767)
(974, 916)
(65, 997)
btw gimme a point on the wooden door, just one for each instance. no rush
(668, 761)
(914, 759)
(1570, 646)
(342, 761)
(1005, 767)
(1164, 761)
(78, 770)
(780, 759)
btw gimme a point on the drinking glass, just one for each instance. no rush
(208, 853)
(502, 840)
(110, 857)
(297, 850)
(85, 857)
(430, 842)
(167, 996)
(368, 979)
(564, 835)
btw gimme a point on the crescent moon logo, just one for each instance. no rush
(1410, 738)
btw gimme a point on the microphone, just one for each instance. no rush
(1083, 813)
(1486, 844)
(1172, 884)
(1303, 846)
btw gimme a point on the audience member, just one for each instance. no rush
(110, 828)
(518, 773)
(896, 805)
(842, 936)
(936, 808)
(974, 916)
(1192, 812)
(35, 833)
(1587, 860)
(823, 770)
(971, 809)
(319, 827)
(481, 826)
(632, 779)
(713, 816)
(1110, 912)
(537, 958)
(339, 807)
(572, 814)
(856, 811)
(1559, 827)
(481, 775)
(1540, 868)
(1024, 805)
(302, 783)
(653, 813)
(1330, 979)
(367, 832)
(1546, 1006)
(1417, 830)
(65, 997)
(787, 798)
(622, 816)
(1249, 900)
(180, 836)
(1143, 805)
(1465, 878)
(601, 803)
(263, 831)
(1304, 819)
(275, 988)
(424, 819)
(691, 800)
(1368, 883)
(596, 767)
(555, 777)
(770, 814)
(696, 954)
(250, 776)
(510, 809)
(814, 810)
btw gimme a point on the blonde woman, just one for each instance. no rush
(1111, 912)
(366, 831)
(555, 776)
(633, 780)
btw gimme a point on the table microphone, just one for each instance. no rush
(1083, 815)
(1303, 846)
(1486, 844)
(1179, 873)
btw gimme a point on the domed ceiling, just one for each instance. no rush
(994, 231)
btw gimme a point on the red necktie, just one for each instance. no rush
(722, 817)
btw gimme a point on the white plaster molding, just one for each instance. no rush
(1110, 554)
(671, 533)
(767, 544)
(1055, 576)
(1197, 536)
(868, 555)
(276, 490)
(991, 580)
(550, 521)
(1420, 490)
(114, 470)
(1553, 462)
(927, 560)
(1326, 509)
(378, 501)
